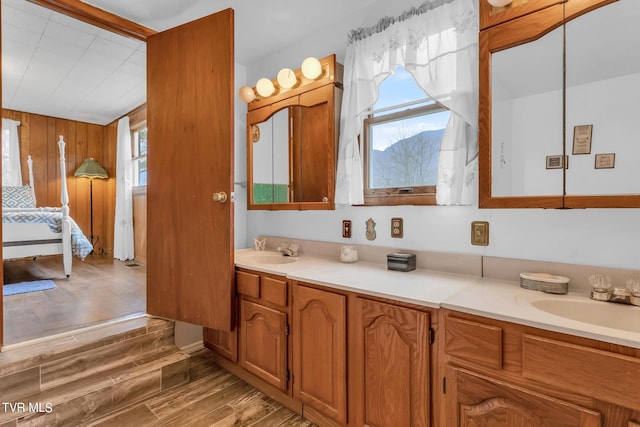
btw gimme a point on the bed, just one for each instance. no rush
(29, 231)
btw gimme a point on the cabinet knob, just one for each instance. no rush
(219, 197)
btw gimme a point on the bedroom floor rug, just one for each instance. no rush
(24, 287)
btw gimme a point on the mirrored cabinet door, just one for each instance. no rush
(270, 152)
(521, 112)
(559, 92)
(603, 101)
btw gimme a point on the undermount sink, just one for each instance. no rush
(266, 258)
(606, 314)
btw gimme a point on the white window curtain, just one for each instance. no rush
(11, 170)
(438, 44)
(123, 229)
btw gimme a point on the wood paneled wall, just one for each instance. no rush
(140, 224)
(39, 136)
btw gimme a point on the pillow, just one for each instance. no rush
(18, 197)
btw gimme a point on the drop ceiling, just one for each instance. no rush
(58, 66)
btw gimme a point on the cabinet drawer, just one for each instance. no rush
(248, 284)
(274, 291)
(584, 370)
(474, 342)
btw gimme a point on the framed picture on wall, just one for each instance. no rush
(605, 161)
(582, 139)
(555, 162)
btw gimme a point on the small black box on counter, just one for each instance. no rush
(401, 261)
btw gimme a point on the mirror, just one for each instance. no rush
(602, 93)
(270, 142)
(291, 148)
(526, 111)
(561, 67)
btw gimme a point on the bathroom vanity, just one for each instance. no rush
(357, 344)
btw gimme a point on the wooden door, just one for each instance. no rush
(190, 90)
(319, 351)
(263, 342)
(476, 401)
(394, 356)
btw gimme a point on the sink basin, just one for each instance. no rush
(268, 259)
(609, 315)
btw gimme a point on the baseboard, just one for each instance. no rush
(193, 347)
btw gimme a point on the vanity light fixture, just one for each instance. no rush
(246, 94)
(499, 3)
(311, 68)
(265, 87)
(287, 78)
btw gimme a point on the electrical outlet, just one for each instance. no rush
(346, 229)
(480, 233)
(397, 228)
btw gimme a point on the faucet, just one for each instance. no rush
(603, 290)
(289, 249)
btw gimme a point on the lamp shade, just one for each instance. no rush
(90, 168)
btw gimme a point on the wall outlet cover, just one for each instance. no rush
(397, 228)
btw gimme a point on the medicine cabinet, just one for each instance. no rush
(292, 143)
(559, 91)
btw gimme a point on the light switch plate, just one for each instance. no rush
(346, 229)
(397, 228)
(480, 233)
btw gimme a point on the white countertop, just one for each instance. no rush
(502, 300)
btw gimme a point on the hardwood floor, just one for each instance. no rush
(214, 398)
(99, 289)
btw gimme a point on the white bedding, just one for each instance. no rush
(52, 217)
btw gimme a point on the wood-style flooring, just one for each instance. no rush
(213, 398)
(99, 289)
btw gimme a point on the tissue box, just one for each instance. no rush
(401, 262)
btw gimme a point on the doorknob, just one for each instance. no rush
(219, 197)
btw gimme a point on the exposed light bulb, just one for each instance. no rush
(246, 94)
(311, 68)
(265, 87)
(287, 78)
(499, 3)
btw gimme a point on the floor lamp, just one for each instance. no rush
(91, 169)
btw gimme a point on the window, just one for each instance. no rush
(139, 155)
(402, 144)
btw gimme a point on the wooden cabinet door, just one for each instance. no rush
(263, 342)
(190, 91)
(394, 354)
(476, 401)
(224, 343)
(319, 351)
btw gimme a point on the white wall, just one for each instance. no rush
(240, 164)
(598, 237)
